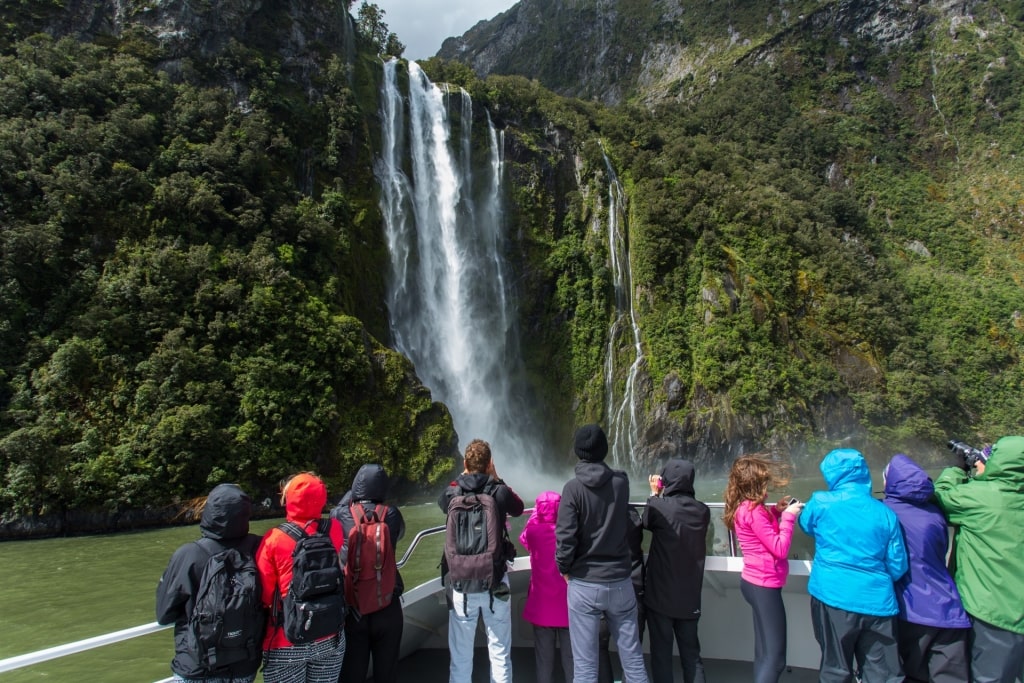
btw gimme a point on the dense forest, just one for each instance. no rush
(826, 239)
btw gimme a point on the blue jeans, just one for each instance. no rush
(462, 618)
(616, 601)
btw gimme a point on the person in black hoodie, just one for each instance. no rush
(593, 554)
(378, 634)
(224, 524)
(678, 523)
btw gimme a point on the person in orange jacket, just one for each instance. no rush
(304, 497)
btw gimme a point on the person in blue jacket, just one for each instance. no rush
(933, 625)
(859, 553)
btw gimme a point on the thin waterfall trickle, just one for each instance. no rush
(450, 308)
(620, 407)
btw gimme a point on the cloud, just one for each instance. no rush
(422, 25)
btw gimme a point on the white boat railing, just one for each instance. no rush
(40, 656)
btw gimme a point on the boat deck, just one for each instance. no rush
(430, 665)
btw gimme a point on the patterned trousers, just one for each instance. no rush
(318, 662)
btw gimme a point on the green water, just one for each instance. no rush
(59, 590)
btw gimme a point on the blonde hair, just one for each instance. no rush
(749, 479)
(284, 483)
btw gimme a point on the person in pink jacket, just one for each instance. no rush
(764, 535)
(546, 605)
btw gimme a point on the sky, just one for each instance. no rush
(422, 25)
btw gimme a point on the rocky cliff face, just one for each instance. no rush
(611, 50)
(299, 33)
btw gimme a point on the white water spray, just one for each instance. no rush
(620, 407)
(450, 309)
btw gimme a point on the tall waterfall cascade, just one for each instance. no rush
(620, 397)
(450, 306)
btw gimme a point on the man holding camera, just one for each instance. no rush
(987, 510)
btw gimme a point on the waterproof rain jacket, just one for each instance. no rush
(678, 523)
(546, 602)
(592, 531)
(225, 521)
(370, 489)
(988, 513)
(926, 593)
(304, 505)
(859, 549)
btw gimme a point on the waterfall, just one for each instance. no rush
(450, 307)
(620, 407)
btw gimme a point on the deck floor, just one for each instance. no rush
(431, 666)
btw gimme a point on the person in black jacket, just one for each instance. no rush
(224, 524)
(678, 523)
(378, 634)
(495, 606)
(593, 554)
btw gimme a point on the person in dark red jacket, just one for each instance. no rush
(933, 625)
(224, 524)
(304, 497)
(377, 635)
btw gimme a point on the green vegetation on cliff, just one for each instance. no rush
(826, 234)
(180, 270)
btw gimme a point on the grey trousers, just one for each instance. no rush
(544, 640)
(850, 638)
(997, 655)
(933, 654)
(588, 602)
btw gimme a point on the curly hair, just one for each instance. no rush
(478, 456)
(749, 479)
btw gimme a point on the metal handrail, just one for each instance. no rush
(40, 656)
(416, 541)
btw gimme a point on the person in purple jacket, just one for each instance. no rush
(933, 626)
(546, 604)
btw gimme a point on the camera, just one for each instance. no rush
(969, 454)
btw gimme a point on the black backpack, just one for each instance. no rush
(226, 625)
(476, 546)
(314, 607)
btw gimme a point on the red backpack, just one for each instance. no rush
(370, 568)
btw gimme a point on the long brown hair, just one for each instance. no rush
(749, 479)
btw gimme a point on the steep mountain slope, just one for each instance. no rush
(613, 50)
(824, 217)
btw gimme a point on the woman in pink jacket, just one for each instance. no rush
(546, 605)
(764, 535)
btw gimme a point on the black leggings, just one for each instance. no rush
(769, 631)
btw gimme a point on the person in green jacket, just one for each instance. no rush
(987, 511)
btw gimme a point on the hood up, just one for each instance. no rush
(845, 468)
(370, 484)
(905, 480)
(1006, 463)
(677, 477)
(305, 497)
(226, 513)
(546, 509)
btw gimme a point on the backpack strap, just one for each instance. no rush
(292, 529)
(358, 515)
